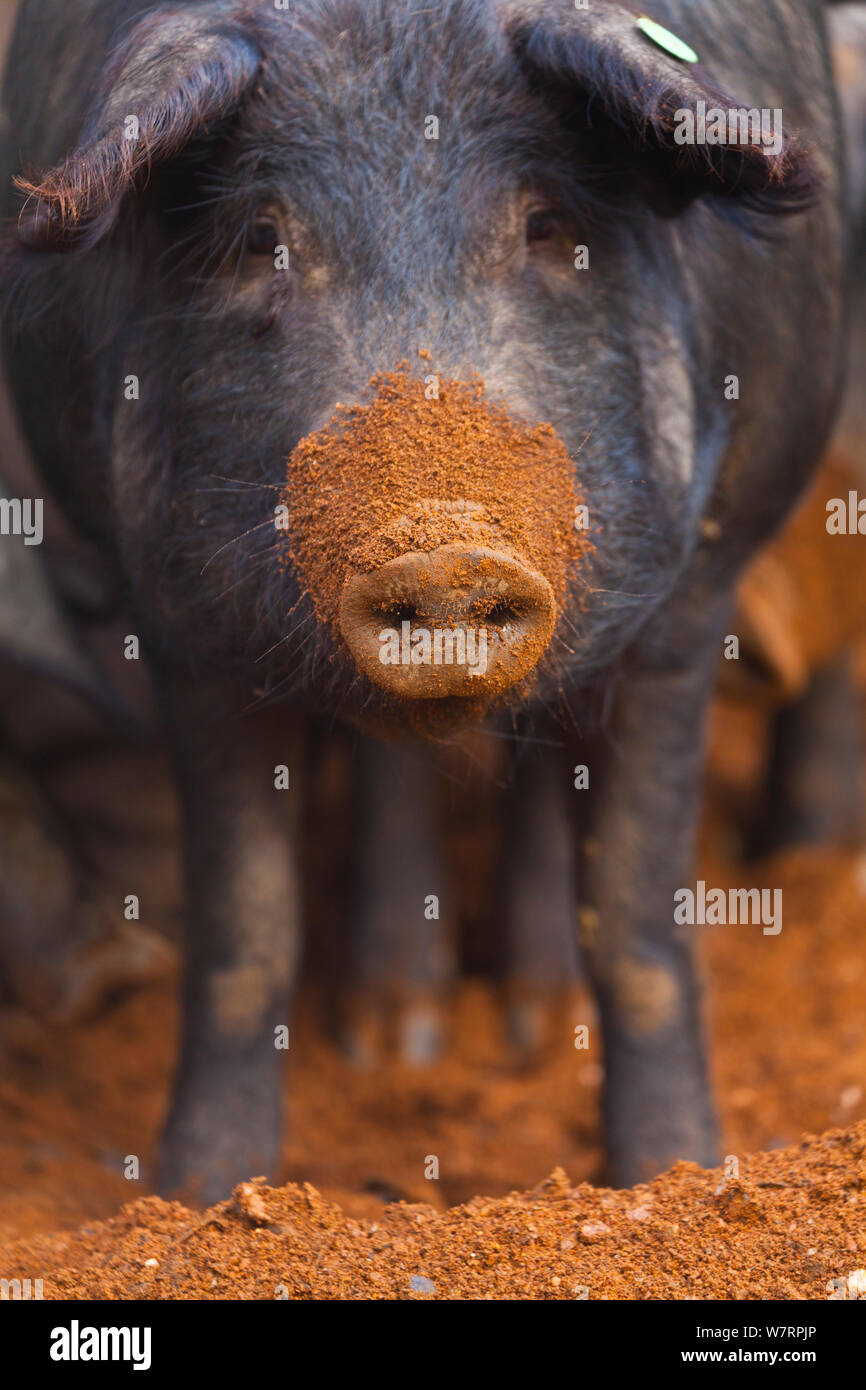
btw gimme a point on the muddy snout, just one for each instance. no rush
(458, 620)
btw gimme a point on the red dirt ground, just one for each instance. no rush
(784, 1229)
(789, 1052)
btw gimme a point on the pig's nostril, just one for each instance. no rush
(501, 614)
(397, 613)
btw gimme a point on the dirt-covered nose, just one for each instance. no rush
(459, 620)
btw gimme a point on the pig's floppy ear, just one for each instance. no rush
(636, 97)
(176, 75)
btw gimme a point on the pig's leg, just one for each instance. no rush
(398, 932)
(814, 790)
(644, 776)
(241, 942)
(537, 909)
(64, 946)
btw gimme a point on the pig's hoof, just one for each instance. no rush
(360, 1035)
(539, 1020)
(222, 1138)
(527, 1026)
(419, 1037)
(375, 1030)
(132, 956)
(627, 1170)
(77, 981)
(207, 1178)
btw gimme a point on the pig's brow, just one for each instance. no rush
(210, 266)
(200, 203)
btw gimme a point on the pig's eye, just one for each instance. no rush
(263, 236)
(541, 225)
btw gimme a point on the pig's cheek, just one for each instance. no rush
(514, 353)
(667, 402)
(141, 458)
(257, 296)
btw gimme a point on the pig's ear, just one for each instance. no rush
(176, 77)
(613, 81)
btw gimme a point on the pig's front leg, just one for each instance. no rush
(644, 774)
(241, 944)
(399, 947)
(536, 912)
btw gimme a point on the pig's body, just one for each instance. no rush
(308, 126)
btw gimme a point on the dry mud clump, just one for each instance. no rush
(404, 471)
(790, 1225)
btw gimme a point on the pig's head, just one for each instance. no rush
(270, 209)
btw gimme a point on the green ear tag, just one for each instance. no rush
(666, 40)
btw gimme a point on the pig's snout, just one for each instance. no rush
(455, 621)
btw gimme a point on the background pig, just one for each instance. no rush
(64, 943)
(799, 614)
(165, 370)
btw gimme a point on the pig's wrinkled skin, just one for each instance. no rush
(306, 128)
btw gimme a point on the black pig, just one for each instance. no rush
(166, 151)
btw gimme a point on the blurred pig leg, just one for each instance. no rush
(242, 928)
(537, 910)
(38, 895)
(814, 788)
(398, 932)
(644, 775)
(64, 945)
